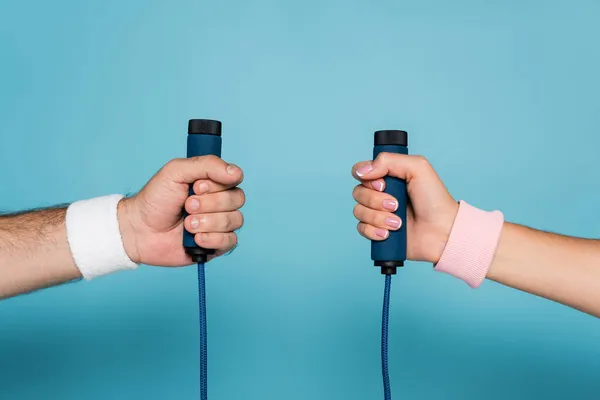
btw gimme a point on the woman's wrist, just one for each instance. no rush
(471, 245)
(442, 233)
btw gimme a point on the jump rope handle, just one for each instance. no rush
(389, 254)
(204, 138)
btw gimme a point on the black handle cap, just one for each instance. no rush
(389, 267)
(204, 127)
(391, 137)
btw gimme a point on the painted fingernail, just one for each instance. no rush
(364, 169)
(203, 188)
(377, 185)
(194, 204)
(382, 233)
(391, 205)
(393, 222)
(195, 223)
(231, 169)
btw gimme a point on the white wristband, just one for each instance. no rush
(94, 237)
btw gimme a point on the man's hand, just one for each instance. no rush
(35, 252)
(431, 209)
(152, 222)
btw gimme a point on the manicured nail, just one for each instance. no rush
(377, 185)
(203, 188)
(382, 233)
(393, 222)
(194, 204)
(231, 169)
(364, 169)
(195, 223)
(391, 205)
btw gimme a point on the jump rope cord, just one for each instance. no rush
(203, 354)
(384, 338)
(202, 310)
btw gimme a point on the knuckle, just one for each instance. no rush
(381, 217)
(356, 191)
(227, 222)
(205, 162)
(206, 158)
(226, 241)
(233, 239)
(240, 220)
(357, 211)
(373, 203)
(383, 157)
(372, 199)
(172, 165)
(422, 161)
(361, 228)
(204, 222)
(242, 198)
(207, 205)
(200, 238)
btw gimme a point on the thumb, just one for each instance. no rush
(400, 166)
(189, 170)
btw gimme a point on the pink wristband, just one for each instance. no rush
(472, 244)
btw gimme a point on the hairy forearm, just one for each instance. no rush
(34, 252)
(556, 267)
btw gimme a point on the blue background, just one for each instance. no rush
(502, 96)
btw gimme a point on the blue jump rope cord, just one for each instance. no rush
(384, 338)
(203, 354)
(202, 310)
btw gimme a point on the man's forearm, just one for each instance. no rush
(34, 251)
(559, 268)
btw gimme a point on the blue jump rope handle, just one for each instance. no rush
(199, 145)
(391, 252)
(204, 138)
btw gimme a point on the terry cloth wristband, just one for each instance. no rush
(94, 237)
(472, 244)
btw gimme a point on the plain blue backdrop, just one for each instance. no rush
(501, 96)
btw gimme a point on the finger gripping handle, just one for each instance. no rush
(204, 138)
(390, 253)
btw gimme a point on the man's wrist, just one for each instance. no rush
(127, 227)
(95, 237)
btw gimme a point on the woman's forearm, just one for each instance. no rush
(556, 267)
